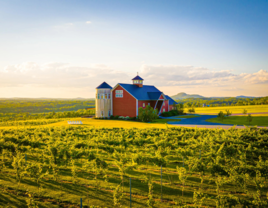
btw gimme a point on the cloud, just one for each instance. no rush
(182, 75)
(256, 78)
(59, 75)
(169, 78)
(88, 22)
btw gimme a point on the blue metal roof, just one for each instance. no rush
(154, 95)
(147, 92)
(104, 85)
(170, 100)
(137, 78)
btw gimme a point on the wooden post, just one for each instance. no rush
(161, 182)
(81, 203)
(130, 192)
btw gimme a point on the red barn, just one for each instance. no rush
(126, 99)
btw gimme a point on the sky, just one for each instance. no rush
(66, 48)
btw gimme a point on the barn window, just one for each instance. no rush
(119, 93)
(164, 104)
(149, 104)
(105, 96)
(143, 105)
(164, 110)
(109, 96)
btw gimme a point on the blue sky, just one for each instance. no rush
(223, 43)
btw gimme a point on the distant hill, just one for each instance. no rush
(183, 95)
(242, 96)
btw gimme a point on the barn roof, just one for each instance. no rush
(147, 92)
(137, 78)
(104, 85)
(170, 100)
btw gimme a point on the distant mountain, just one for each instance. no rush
(242, 96)
(183, 95)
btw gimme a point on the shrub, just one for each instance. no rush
(191, 110)
(112, 117)
(170, 113)
(148, 114)
(221, 115)
(116, 117)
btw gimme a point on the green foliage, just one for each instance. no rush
(249, 118)
(147, 114)
(80, 159)
(228, 112)
(221, 115)
(172, 113)
(191, 110)
(244, 111)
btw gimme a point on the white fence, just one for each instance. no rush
(75, 122)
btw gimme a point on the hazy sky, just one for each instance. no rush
(62, 48)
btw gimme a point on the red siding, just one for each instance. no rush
(165, 107)
(161, 97)
(125, 106)
(140, 103)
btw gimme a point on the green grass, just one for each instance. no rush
(187, 116)
(101, 123)
(164, 121)
(242, 120)
(233, 109)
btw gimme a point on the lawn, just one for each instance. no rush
(104, 123)
(233, 109)
(187, 116)
(242, 120)
(164, 121)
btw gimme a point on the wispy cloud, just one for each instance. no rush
(169, 78)
(88, 22)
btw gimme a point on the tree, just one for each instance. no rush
(191, 110)
(148, 114)
(249, 118)
(228, 112)
(221, 115)
(245, 111)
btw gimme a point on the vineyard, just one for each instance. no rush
(170, 167)
(31, 122)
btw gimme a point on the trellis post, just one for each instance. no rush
(130, 192)
(161, 182)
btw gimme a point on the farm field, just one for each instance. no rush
(233, 109)
(242, 120)
(52, 166)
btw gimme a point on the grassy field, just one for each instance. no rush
(98, 123)
(233, 109)
(187, 116)
(242, 120)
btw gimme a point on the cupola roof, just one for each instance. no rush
(137, 78)
(104, 85)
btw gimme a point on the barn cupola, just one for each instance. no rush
(138, 81)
